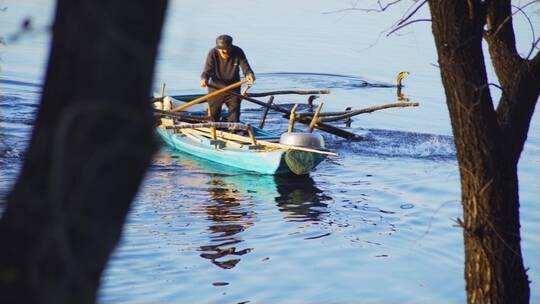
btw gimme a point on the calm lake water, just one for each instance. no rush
(373, 225)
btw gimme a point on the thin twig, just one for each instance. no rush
(406, 24)
(534, 46)
(354, 8)
(412, 13)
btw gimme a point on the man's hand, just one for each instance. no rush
(250, 78)
(203, 83)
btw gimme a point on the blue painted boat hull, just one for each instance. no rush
(278, 161)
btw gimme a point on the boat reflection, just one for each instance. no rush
(227, 219)
(300, 199)
(234, 197)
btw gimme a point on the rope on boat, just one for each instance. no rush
(221, 125)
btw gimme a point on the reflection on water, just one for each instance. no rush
(300, 199)
(227, 220)
(390, 241)
(229, 210)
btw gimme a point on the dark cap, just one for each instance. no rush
(223, 42)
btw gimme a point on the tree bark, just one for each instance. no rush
(519, 78)
(488, 144)
(91, 144)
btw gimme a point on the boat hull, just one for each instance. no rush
(278, 161)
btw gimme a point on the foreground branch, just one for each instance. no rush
(91, 144)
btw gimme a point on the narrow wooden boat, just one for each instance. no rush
(259, 152)
(292, 152)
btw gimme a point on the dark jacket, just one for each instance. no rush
(225, 71)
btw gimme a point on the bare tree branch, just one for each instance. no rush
(533, 47)
(412, 13)
(406, 24)
(519, 9)
(381, 8)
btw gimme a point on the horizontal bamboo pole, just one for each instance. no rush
(286, 92)
(351, 113)
(183, 117)
(207, 96)
(368, 110)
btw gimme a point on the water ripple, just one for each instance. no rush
(325, 80)
(389, 143)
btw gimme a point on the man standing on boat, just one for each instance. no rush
(222, 68)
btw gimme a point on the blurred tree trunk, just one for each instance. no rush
(488, 141)
(91, 145)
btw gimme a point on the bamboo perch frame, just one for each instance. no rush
(351, 113)
(368, 110)
(321, 126)
(315, 118)
(292, 117)
(240, 138)
(265, 112)
(251, 134)
(213, 133)
(210, 95)
(286, 92)
(348, 121)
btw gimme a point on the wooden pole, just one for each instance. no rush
(182, 117)
(210, 95)
(348, 121)
(350, 113)
(265, 112)
(251, 134)
(368, 110)
(285, 92)
(162, 91)
(292, 118)
(315, 118)
(305, 120)
(213, 133)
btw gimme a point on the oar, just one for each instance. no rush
(305, 120)
(210, 95)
